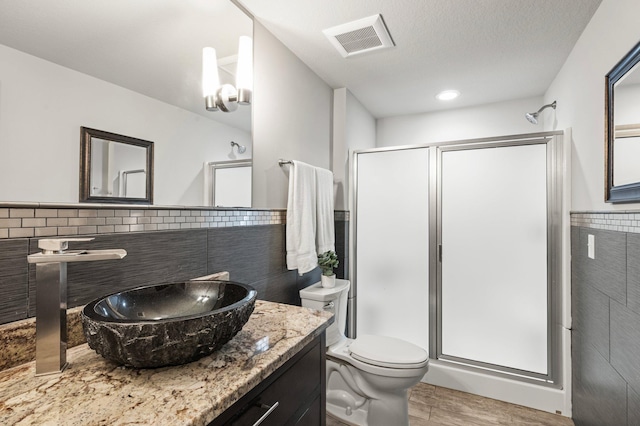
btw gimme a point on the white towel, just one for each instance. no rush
(325, 235)
(301, 218)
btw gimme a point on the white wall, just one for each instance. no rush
(579, 91)
(489, 120)
(43, 105)
(353, 128)
(292, 118)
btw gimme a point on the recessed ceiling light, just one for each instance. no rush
(447, 95)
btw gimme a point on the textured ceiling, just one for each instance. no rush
(153, 47)
(489, 50)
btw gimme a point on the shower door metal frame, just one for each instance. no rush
(554, 180)
(555, 184)
(210, 169)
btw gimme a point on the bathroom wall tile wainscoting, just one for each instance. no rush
(605, 296)
(437, 406)
(249, 244)
(606, 318)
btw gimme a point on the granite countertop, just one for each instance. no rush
(94, 391)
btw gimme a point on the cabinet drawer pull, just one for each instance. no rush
(265, 415)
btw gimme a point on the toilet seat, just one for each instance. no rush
(341, 352)
(389, 352)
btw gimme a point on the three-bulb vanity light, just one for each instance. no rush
(226, 97)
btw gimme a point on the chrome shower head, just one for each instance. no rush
(241, 148)
(533, 116)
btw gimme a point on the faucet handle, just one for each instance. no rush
(57, 245)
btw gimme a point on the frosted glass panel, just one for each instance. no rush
(494, 256)
(232, 187)
(626, 151)
(392, 241)
(136, 185)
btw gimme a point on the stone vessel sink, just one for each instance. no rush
(167, 324)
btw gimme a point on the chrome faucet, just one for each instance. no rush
(51, 297)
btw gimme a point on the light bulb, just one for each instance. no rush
(210, 77)
(244, 72)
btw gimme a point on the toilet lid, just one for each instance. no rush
(388, 352)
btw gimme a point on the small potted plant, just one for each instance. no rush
(328, 261)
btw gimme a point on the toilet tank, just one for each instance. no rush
(333, 300)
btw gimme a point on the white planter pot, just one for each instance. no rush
(328, 282)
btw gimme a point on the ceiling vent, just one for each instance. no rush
(363, 35)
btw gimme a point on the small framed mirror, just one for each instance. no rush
(115, 168)
(622, 130)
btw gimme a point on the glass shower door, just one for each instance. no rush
(493, 285)
(392, 244)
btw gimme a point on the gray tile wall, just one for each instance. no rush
(342, 247)
(252, 253)
(606, 323)
(13, 279)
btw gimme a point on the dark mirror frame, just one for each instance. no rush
(86, 134)
(629, 193)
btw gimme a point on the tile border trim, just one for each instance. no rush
(622, 221)
(22, 220)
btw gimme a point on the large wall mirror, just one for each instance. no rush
(622, 127)
(142, 80)
(115, 168)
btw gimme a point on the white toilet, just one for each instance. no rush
(367, 378)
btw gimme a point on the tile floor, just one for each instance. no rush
(436, 406)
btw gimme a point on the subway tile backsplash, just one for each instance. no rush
(20, 222)
(625, 221)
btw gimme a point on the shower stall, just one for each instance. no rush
(457, 248)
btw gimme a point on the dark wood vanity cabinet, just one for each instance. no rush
(292, 395)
